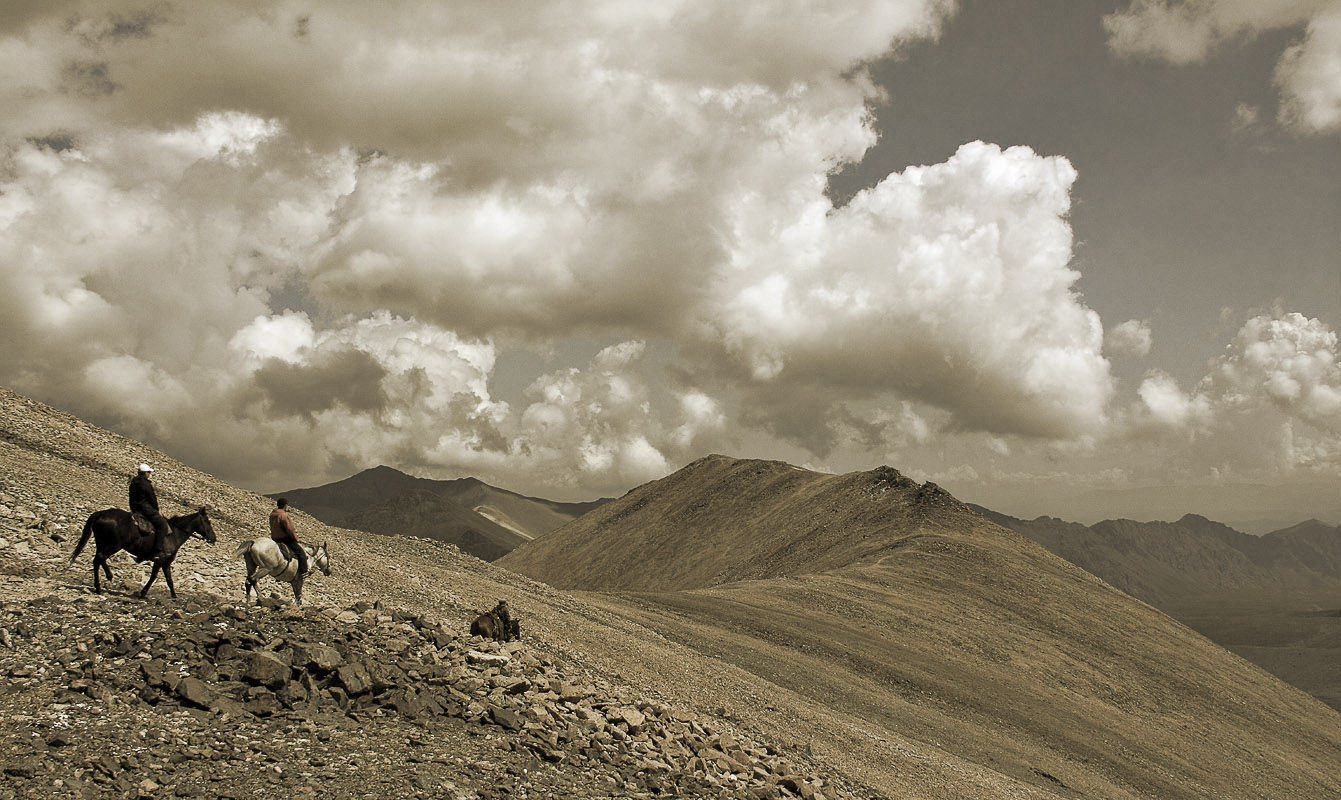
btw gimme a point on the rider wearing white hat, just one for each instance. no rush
(144, 501)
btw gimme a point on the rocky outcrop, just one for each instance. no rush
(110, 694)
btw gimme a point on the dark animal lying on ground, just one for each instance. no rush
(497, 624)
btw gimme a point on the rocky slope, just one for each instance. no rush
(374, 688)
(206, 699)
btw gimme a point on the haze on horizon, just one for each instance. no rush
(1073, 259)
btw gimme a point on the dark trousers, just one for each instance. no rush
(161, 530)
(294, 550)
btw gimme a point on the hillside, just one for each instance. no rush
(940, 633)
(573, 711)
(1271, 599)
(482, 520)
(977, 668)
(721, 520)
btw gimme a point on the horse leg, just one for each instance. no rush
(152, 577)
(99, 560)
(252, 578)
(167, 573)
(249, 583)
(298, 589)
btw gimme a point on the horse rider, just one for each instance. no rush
(282, 530)
(144, 501)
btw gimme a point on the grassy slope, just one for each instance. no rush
(898, 607)
(1274, 599)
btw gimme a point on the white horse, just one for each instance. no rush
(265, 558)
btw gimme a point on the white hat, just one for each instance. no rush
(146, 468)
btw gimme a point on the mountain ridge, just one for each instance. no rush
(1266, 598)
(928, 621)
(1162, 561)
(841, 522)
(385, 500)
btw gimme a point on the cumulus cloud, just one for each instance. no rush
(1271, 404)
(1168, 406)
(949, 284)
(291, 242)
(1132, 337)
(1188, 31)
(1287, 360)
(1309, 76)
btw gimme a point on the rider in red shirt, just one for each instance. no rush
(282, 530)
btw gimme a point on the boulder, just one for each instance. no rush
(319, 657)
(194, 692)
(267, 670)
(354, 678)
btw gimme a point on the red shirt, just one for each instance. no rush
(281, 527)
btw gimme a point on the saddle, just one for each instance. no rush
(286, 549)
(142, 522)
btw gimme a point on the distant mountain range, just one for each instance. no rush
(482, 520)
(1268, 598)
(1164, 562)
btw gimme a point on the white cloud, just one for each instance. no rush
(1270, 405)
(1169, 406)
(930, 284)
(1309, 76)
(284, 337)
(1288, 360)
(1188, 31)
(1132, 337)
(312, 239)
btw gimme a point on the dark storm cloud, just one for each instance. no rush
(350, 379)
(89, 78)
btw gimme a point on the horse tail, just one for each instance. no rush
(242, 549)
(83, 539)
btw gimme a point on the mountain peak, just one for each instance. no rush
(383, 469)
(721, 520)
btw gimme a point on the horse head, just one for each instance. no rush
(202, 525)
(321, 559)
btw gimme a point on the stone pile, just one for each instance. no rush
(202, 698)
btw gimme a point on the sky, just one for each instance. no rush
(1073, 259)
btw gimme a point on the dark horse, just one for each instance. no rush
(497, 624)
(114, 529)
